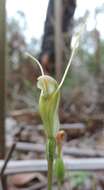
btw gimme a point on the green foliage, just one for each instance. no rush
(78, 178)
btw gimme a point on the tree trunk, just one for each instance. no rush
(2, 78)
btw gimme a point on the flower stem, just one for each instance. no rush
(50, 173)
(50, 150)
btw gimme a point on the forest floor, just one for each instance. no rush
(82, 140)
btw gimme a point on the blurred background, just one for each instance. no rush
(47, 30)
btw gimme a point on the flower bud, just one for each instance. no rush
(60, 137)
(59, 169)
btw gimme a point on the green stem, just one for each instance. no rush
(50, 150)
(50, 173)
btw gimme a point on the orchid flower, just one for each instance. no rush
(48, 108)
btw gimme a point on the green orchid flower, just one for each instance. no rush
(49, 104)
(48, 108)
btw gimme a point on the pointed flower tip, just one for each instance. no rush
(35, 61)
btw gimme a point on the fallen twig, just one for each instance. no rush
(91, 164)
(73, 151)
(2, 169)
(7, 159)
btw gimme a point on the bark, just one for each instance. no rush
(2, 77)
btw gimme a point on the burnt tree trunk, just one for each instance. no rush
(57, 34)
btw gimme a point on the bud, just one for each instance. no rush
(60, 137)
(59, 170)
